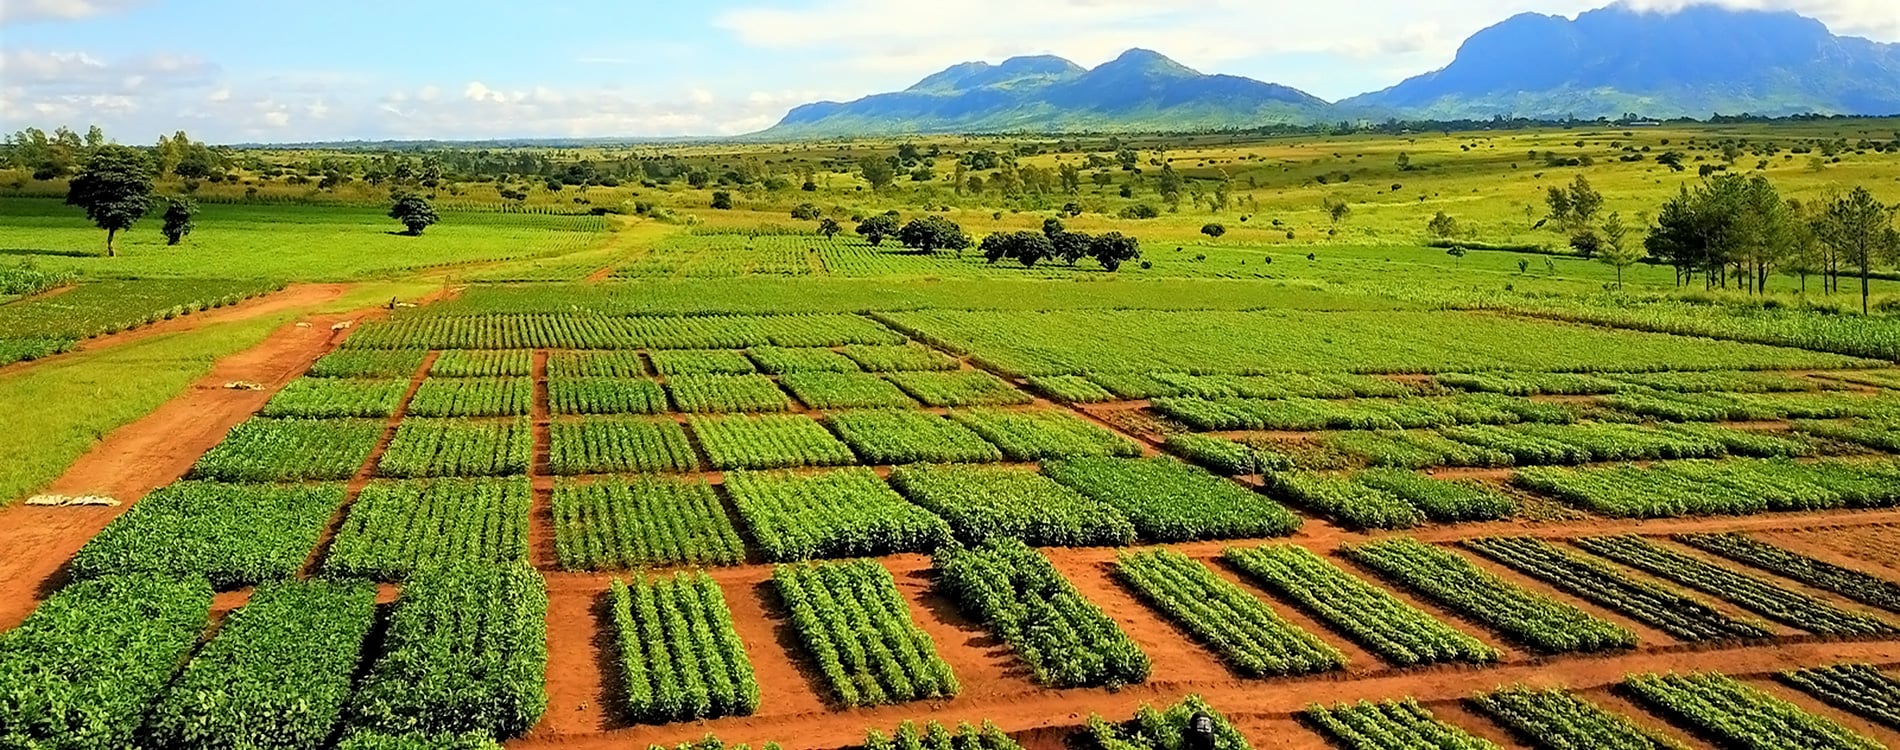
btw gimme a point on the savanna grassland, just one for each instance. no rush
(624, 449)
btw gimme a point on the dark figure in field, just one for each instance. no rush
(1200, 732)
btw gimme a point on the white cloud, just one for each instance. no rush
(22, 11)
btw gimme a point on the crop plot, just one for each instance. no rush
(716, 394)
(619, 445)
(961, 388)
(564, 365)
(780, 361)
(278, 673)
(1169, 501)
(1021, 597)
(1744, 407)
(856, 626)
(1414, 449)
(898, 358)
(1770, 601)
(1402, 723)
(1680, 616)
(1242, 629)
(230, 535)
(844, 513)
(332, 398)
(94, 656)
(1532, 383)
(1878, 434)
(933, 736)
(543, 331)
(290, 450)
(1860, 688)
(1439, 500)
(1070, 389)
(1377, 620)
(593, 395)
(1560, 719)
(1730, 487)
(1820, 574)
(1306, 414)
(1226, 457)
(1740, 715)
(983, 503)
(397, 529)
(1532, 619)
(369, 363)
(828, 390)
(1356, 505)
(679, 654)
(889, 437)
(701, 362)
(1152, 728)
(642, 522)
(466, 651)
(483, 364)
(775, 441)
(1036, 435)
(458, 448)
(473, 397)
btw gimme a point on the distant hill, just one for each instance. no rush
(1141, 90)
(1696, 62)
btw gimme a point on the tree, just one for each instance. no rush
(829, 227)
(415, 213)
(877, 171)
(1615, 250)
(1442, 226)
(1026, 248)
(876, 228)
(178, 223)
(1338, 210)
(115, 189)
(1860, 228)
(1405, 162)
(933, 233)
(722, 200)
(1575, 208)
(1213, 231)
(805, 212)
(1113, 249)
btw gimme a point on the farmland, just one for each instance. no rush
(613, 481)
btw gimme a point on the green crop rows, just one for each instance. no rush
(1042, 434)
(278, 674)
(713, 394)
(1680, 616)
(1017, 594)
(1765, 599)
(902, 358)
(829, 390)
(1226, 457)
(844, 513)
(290, 450)
(1389, 724)
(1734, 486)
(592, 395)
(618, 445)
(1356, 505)
(466, 651)
(1742, 716)
(1847, 582)
(777, 441)
(458, 448)
(483, 364)
(598, 365)
(962, 388)
(1154, 729)
(231, 535)
(641, 522)
(1242, 629)
(701, 362)
(780, 361)
(331, 398)
(887, 437)
(360, 363)
(678, 652)
(1070, 389)
(87, 664)
(1560, 720)
(855, 624)
(397, 529)
(1860, 688)
(1376, 619)
(1169, 501)
(472, 397)
(935, 737)
(982, 503)
(1305, 414)
(1532, 619)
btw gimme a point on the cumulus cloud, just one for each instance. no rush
(23, 11)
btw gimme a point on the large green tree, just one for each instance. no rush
(1860, 228)
(415, 213)
(115, 189)
(932, 233)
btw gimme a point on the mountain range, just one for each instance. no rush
(1694, 62)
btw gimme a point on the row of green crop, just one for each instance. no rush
(680, 658)
(1860, 688)
(960, 388)
(1820, 574)
(1753, 407)
(1577, 384)
(394, 530)
(610, 446)
(896, 436)
(1768, 600)
(1739, 715)
(830, 391)
(858, 629)
(841, 513)
(458, 448)
(1389, 724)
(642, 522)
(769, 442)
(231, 535)
(98, 308)
(1389, 498)
(1017, 594)
(592, 331)
(287, 450)
(1249, 635)
(1678, 615)
(515, 363)
(472, 397)
(1305, 414)
(1542, 445)
(983, 503)
(934, 736)
(330, 398)
(1734, 486)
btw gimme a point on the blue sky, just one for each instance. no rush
(284, 70)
